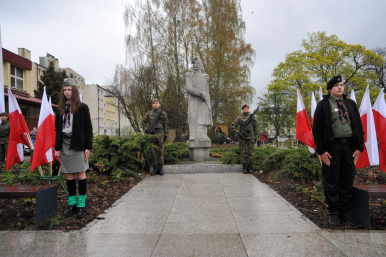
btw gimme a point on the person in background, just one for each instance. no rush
(146, 123)
(247, 144)
(73, 144)
(4, 135)
(32, 134)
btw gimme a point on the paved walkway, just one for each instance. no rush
(226, 214)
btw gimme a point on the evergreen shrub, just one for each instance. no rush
(176, 151)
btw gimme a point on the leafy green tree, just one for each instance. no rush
(53, 82)
(322, 58)
(266, 117)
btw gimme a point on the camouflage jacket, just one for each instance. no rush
(148, 120)
(239, 122)
(4, 132)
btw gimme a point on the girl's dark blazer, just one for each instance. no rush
(81, 138)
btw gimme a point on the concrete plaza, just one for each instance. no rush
(216, 214)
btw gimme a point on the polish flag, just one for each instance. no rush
(18, 132)
(45, 135)
(303, 127)
(320, 94)
(53, 142)
(313, 107)
(352, 95)
(379, 111)
(369, 156)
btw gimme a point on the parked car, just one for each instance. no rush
(224, 139)
(26, 150)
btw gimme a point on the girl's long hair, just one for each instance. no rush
(75, 101)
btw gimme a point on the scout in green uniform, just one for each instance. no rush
(247, 144)
(4, 135)
(338, 135)
(146, 123)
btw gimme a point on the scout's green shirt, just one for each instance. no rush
(340, 127)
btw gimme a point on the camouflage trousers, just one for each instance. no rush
(158, 151)
(3, 151)
(246, 150)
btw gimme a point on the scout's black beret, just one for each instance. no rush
(333, 81)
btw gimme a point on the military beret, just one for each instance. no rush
(4, 114)
(333, 81)
(155, 100)
(67, 82)
(244, 105)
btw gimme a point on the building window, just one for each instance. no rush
(17, 77)
(24, 110)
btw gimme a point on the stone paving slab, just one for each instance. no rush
(217, 214)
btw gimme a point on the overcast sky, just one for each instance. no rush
(88, 36)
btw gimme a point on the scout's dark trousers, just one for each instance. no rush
(338, 178)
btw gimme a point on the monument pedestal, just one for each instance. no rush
(199, 149)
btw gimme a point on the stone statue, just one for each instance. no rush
(199, 112)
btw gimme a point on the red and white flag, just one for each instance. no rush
(369, 156)
(303, 127)
(352, 95)
(45, 137)
(18, 132)
(313, 107)
(379, 111)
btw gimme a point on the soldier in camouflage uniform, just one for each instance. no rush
(146, 123)
(247, 144)
(4, 135)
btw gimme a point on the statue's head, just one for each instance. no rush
(197, 63)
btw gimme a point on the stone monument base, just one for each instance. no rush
(199, 149)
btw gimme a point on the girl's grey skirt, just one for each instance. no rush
(72, 161)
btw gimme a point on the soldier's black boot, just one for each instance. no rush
(154, 172)
(250, 170)
(245, 168)
(160, 170)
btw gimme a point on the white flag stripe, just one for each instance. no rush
(380, 105)
(20, 151)
(300, 104)
(352, 95)
(313, 104)
(320, 94)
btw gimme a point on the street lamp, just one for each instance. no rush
(119, 116)
(277, 131)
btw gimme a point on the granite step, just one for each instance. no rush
(191, 167)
